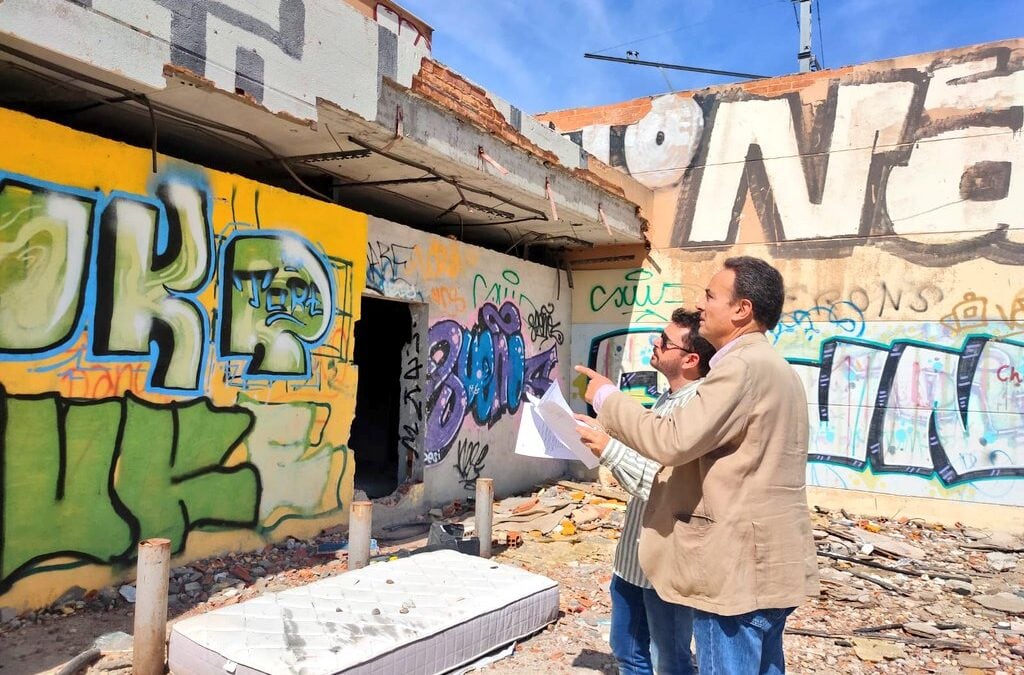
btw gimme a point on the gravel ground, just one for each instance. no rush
(951, 600)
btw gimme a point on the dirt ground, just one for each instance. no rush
(954, 603)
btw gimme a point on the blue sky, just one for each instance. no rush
(530, 52)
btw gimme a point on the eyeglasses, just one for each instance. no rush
(667, 345)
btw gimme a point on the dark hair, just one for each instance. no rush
(761, 284)
(697, 345)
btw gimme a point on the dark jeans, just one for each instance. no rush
(750, 643)
(646, 628)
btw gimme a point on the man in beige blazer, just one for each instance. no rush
(726, 530)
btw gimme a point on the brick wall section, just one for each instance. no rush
(626, 112)
(472, 104)
(631, 111)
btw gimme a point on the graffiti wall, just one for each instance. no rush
(890, 195)
(497, 329)
(174, 359)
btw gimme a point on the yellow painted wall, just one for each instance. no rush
(174, 359)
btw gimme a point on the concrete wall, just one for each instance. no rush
(494, 327)
(284, 54)
(174, 359)
(890, 195)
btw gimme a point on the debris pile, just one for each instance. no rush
(898, 595)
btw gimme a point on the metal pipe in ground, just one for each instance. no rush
(360, 517)
(149, 645)
(484, 518)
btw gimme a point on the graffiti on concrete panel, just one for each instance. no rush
(45, 247)
(289, 446)
(821, 321)
(975, 312)
(482, 370)
(643, 295)
(277, 294)
(412, 395)
(137, 288)
(469, 462)
(898, 153)
(919, 409)
(387, 270)
(624, 356)
(152, 258)
(90, 479)
(908, 407)
(543, 326)
(189, 34)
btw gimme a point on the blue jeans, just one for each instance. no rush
(740, 645)
(646, 628)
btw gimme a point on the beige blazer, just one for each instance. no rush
(727, 529)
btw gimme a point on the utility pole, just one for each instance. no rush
(804, 55)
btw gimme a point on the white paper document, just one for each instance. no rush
(547, 428)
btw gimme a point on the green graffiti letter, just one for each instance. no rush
(44, 245)
(150, 258)
(277, 302)
(171, 472)
(57, 465)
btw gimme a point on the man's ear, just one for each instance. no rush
(744, 309)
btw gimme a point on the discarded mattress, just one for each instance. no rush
(427, 613)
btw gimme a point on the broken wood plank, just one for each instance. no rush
(884, 584)
(920, 642)
(891, 568)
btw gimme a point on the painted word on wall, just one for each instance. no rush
(481, 370)
(132, 267)
(90, 479)
(899, 152)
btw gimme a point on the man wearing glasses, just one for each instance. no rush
(727, 530)
(645, 628)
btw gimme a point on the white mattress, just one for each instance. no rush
(456, 608)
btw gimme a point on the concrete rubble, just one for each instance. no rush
(899, 595)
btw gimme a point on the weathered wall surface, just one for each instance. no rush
(174, 359)
(497, 327)
(284, 54)
(890, 195)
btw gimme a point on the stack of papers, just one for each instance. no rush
(547, 428)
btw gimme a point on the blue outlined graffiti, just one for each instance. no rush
(277, 298)
(46, 245)
(153, 259)
(146, 261)
(916, 408)
(842, 318)
(907, 407)
(483, 371)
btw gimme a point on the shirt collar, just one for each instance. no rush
(728, 347)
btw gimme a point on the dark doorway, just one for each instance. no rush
(383, 328)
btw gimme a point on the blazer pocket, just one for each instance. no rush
(727, 558)
(688, 534)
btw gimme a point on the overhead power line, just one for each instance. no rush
(672, 66)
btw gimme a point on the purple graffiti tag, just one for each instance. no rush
(446, 401)
(481, 370)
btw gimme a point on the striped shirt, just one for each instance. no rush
(636, 474)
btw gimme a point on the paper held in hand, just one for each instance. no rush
(547, 428)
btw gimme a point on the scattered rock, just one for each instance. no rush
(960, 587)
(1001, 562)
(972, 661)
(127, 592)
(118, 641)
(1002, 602)
(868, 649)
(921, 629)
